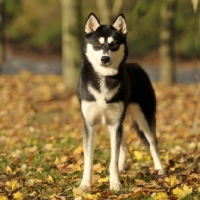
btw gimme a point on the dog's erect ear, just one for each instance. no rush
(120, 24)
(92, 23)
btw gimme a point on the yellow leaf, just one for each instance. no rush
(18, 195)
(40, 169)
(53, 196)
(98, 168)
(138, 155)
(103, 180)
(13, 184)
(78, 192)
(79, 198)
(160, 196)
(187, 190)
(97, 195)
(8, 169)
(88, 196)
(3, 198)
(50, 179)
(181, 193)
(63, 159)
(172, 180)
(57, 161)
(78, 150)
(23, 167)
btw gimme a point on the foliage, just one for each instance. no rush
(37, 25)
(41, 155)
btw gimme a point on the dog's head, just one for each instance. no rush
(105, 45)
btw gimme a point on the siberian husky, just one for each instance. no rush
(107, 86)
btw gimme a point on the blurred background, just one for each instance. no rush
(46, 36)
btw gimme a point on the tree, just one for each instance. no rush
(110, 10)
(2, 17)
(71, 42)
(166, 50)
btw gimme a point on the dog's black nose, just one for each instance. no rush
(105, 59)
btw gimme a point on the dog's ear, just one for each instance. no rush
(92, 23)
(120, 24)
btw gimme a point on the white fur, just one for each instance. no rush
(110, 40)
(92, 24)
(122, 154)
(94, 56)
(102, 40)
(120, 25)
(94, 113)
(139, 117)
(104, 93)
(88, 145)
(114, 170)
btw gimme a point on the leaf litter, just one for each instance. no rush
(41, 154)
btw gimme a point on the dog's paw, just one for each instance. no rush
(115, 186)
(85, 187)
(161, 172)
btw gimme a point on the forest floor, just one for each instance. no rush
(41, 154)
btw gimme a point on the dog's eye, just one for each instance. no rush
(113, 44)
(97, 44)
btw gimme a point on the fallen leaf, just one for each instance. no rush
(161, 196)
(138, 155)
(18, 195)
(50, 179)
(3, 198)
(181, 193)
(13, 184)
(172, 180)
(8, 169)
(78, 192)
(103, 180)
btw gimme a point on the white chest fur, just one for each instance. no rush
(104, 93)
(94, 113)
(98, 111)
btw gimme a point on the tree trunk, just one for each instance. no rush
(104, 11)
(166, 50)
(117, 6)
(2, 46)
(71, 42)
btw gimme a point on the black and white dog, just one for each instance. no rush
(107, 86)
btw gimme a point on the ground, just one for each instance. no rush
(41, 154)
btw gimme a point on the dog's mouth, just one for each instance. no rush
(106, 64)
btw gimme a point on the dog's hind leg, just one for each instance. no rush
(122, 154)
(115, 138)
(88, 145)
(150, 137)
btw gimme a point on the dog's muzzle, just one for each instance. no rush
(105, 60)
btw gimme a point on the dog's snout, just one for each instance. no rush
(105, 59)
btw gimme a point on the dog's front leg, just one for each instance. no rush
(115, 138)
(88, 145)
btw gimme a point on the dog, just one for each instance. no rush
(107, 87)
